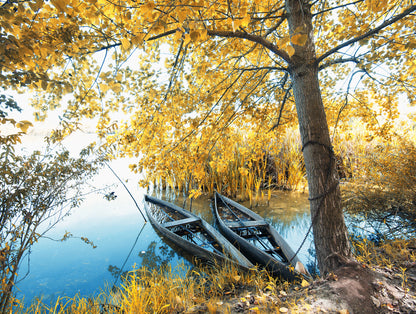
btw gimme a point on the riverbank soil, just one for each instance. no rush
(354, 288)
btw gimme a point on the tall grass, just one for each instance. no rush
(151, 291)
(387, 253)
(240, 166)
(382, 188)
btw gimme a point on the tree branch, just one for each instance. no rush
(173, 31)
(272, 29)
(368, 34)
(338, 61)
(337, 7)
(285, 97)
(263, 68)
(254, 38)
(237, 34)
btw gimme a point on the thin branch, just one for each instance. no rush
(237, 34)
(272, 29)
(345, 103)
(337, 7)
(263, 68)
(368, 34)
(338, 61)
(104, 48)
(234, 116)
(285, 97)
(175, 71)
(172, 31)
(254, 38)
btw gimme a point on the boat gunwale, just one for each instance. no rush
(233, 256)
(258, 255)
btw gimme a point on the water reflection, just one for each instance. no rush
(153, 257)
(124, 241)
(288, 212)
(118, 272)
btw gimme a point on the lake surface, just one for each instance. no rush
(124, 241)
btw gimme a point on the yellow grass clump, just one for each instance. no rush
(206, 289)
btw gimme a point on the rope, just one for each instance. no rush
(128, 191)
(125, 261)
(320, 196)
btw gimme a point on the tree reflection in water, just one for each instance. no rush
(153, 258)
(160, 259)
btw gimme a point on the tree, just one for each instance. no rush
(233, 65)
(37, 191)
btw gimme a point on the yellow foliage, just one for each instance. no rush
(24, 125)
(209, 119)
(299, 39)
(388, 253)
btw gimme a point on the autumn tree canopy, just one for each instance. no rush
(233, 69)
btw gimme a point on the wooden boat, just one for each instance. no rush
(192, 234)
(256, 239)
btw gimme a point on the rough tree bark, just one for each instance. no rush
(329, 229)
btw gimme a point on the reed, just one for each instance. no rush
(387, 253)
(201, 289)
(239, 167)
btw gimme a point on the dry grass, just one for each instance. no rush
(388, 253)
(210, 290)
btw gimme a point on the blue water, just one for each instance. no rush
(124, 241)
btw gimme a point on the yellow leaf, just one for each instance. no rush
(299, 39)
(178, 35)
(187, 39)
(68, 88)
(44, 84)
(229, 21)
(182, 15)
(283, 42)
(36, 5)
(203, 34)
(236, 24)
(137, 40)
(304, 283)
(290, 50)
(245, 21)
(60, 5)
(194, 35)
(125, 43)
(24, 125)
(148, 7)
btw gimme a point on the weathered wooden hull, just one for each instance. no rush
(180, 232)
(256, 239)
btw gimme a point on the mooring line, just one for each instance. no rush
(128, 191)
(125, 261)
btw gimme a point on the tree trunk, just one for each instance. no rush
(329, 230)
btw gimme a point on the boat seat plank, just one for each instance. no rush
(181, 222)
(244, 224)
(277, 250)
